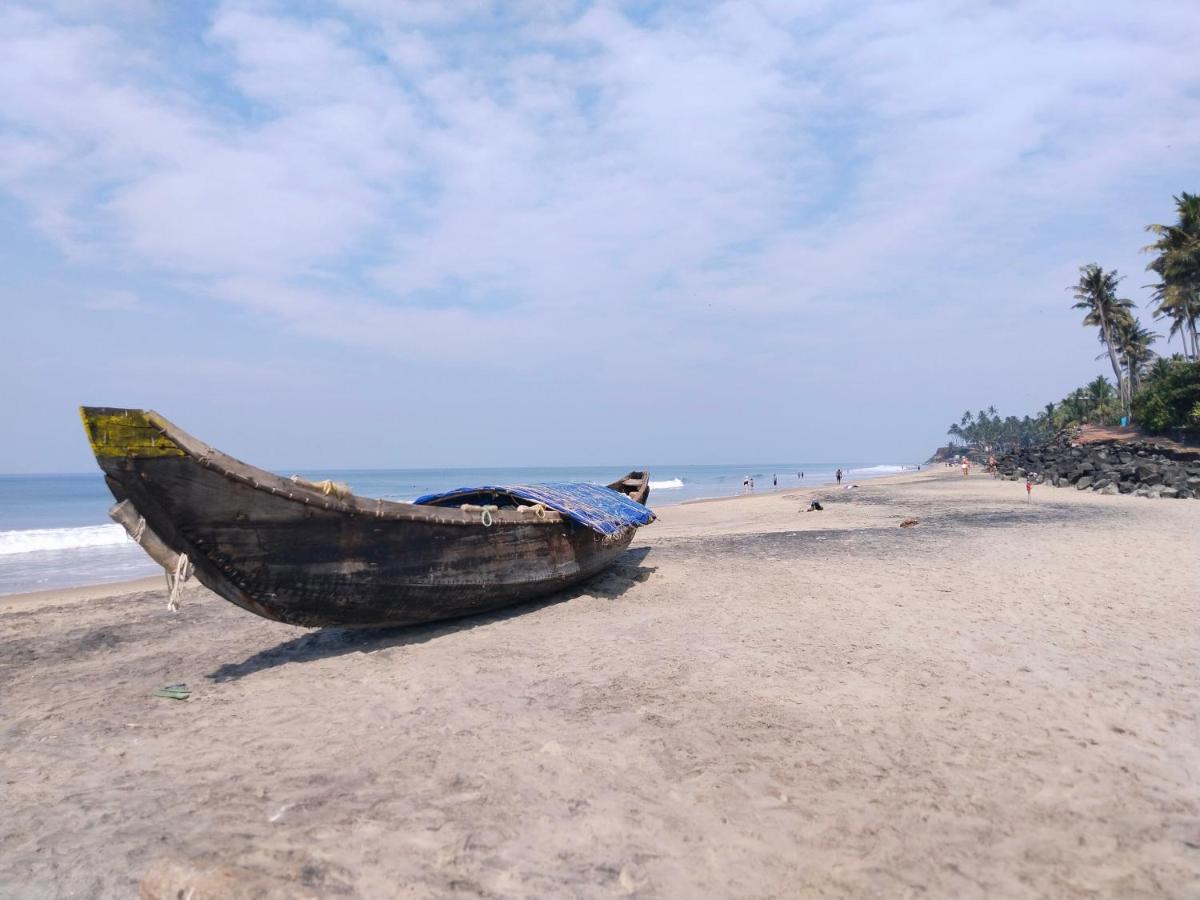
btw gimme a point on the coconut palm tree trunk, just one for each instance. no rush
(1118, 372)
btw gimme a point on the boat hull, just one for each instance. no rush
(299, 556)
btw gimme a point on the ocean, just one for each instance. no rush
(55, 531)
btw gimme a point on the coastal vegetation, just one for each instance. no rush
(1170, 398)
(1177, 264)
(1158, 393)
(1096, 292)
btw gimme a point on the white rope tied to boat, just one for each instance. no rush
(538, 509)
(138, 530)
(485, 512)
(183, 571)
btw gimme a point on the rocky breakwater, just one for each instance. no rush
(1143, 467)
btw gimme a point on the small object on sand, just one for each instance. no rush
(814, 507)
(908, 523)
(174, 691)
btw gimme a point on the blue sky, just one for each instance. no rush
(370, 233)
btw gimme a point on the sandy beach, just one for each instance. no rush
(757, 701)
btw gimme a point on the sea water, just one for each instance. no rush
(55, 531)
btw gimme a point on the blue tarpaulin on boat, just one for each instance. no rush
(599, 508)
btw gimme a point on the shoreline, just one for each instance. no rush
(753, 700)
(98, 590)
(137, 584)
(79, 593)
(801, 486)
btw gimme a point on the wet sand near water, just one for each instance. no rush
(756, 701)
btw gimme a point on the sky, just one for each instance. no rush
(366, 233)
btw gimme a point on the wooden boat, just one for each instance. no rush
(314, 554)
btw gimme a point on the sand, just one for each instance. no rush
(758, 701)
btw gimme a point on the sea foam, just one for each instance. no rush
(33, 540)
(668, 485)
(882, 469)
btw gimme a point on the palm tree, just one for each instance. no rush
(1133, 346)
(1096, 291)
(1183, 310)
(1075, 407)
(1010, 434)
(981, 428)
(1160, 368)
(988, 431)
(1100, 395)
(1044, 424)
(1030, 432)
(963, 428)
(1178, 268)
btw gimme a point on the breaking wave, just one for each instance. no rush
(34, 539)
(668, 485)
(882, 469)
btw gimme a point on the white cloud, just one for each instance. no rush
(389, 175)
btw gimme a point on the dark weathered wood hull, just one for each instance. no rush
(294, 554)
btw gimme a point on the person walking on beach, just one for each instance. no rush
(966, 467)
(774, 481)
(838, 476)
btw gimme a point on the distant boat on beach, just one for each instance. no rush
(313, 554)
